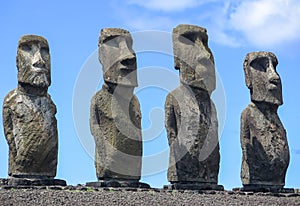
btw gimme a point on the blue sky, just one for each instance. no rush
(234, 28)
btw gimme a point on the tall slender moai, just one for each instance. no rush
(263, 137)
(115, 116)
(29, 120)
(190, 114)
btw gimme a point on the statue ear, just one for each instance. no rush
(248, 78)
(177, 63)
(18, 61)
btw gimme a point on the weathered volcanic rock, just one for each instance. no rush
(115, 117)
(191, 118)
(30, 125)
(263, 137)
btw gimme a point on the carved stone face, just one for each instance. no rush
(33, 61)
(117, 57)
(193, 57)
(262, 78)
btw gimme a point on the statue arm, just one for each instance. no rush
(244, 130)
(214, 121)
(170, 119)
(8, 129)
(138, 114)
(135, 118)
(94, 118)
(54, 123)
(211, 143)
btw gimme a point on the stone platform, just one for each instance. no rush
(118, 183)
(193, 186)
(12, 181)
(264, 188)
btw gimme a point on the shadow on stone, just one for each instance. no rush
(264, 188)
(193, 186)
(118, 183)
(32, 182)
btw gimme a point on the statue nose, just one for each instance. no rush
(128, 60)
(38, 60)
(272, 75)
(126, 52)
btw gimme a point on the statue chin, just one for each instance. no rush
(269, 99)
(274, 100)
(200, 84)
(40, 80)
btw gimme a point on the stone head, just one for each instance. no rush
(33, 61)
(193, 57)
(262, 78)
(117, 57)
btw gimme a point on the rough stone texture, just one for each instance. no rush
(194, 186)
(30, 125)
(117, 57)
(265, 188)
(115, 117)
(191, 118)
(118, 183)
(116, 196)
(263, 137)
(35, 181)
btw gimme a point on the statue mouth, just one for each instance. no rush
(127, 81)
(39, 69)
(39, 65)
(274, 84)
(128, 68)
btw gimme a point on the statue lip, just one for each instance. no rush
(127, 81)
(39, 69)
(274, 83)
(127, 68)
(39, 66)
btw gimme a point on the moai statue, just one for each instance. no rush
(30, 125)
(263, 137)
(115, 116)
(190, 114)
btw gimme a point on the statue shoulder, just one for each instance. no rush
(173, 96)
(135, 100)
(49, 98)
(10, 98)
(100, 96)
(52, 104)
(246, 113)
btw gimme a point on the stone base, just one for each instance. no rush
(118, 183)
(12, 181)
(265, 188)
(193, 186)
(3, 181)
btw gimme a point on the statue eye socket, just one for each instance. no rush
(260, 64)
(187, 39)
(113, 43)
(44, 50)
(26, 47)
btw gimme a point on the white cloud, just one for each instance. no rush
(255, 23)
(221, 37)
(267, 22)
(219, 29)
(169, 5)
